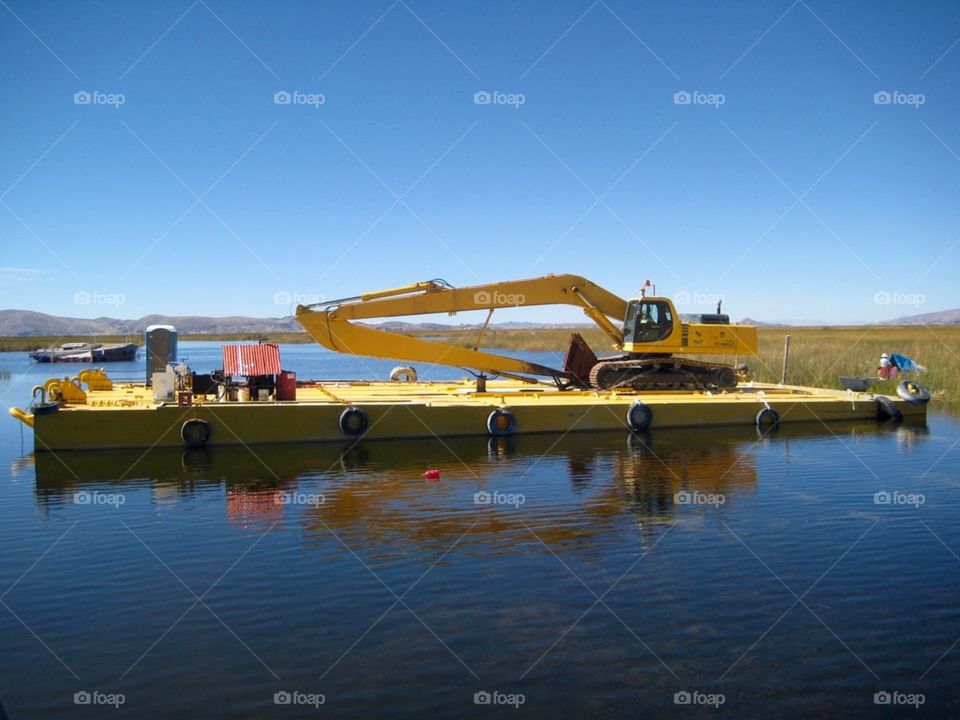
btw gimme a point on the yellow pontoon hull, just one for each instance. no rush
(126, 416)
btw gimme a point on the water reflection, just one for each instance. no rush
(377, 488)
(20, 466)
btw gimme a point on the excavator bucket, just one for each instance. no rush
(579, 360)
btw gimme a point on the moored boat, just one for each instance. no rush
(63, 353)
(86, 352)
(116, 352)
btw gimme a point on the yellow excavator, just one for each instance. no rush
(654, 343)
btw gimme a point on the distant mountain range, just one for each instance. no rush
(26, 323)
(944, 317)
(751, 321)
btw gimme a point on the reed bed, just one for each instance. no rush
(818, 355)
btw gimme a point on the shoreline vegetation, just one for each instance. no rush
(818, 355)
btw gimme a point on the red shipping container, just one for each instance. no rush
(286, 385)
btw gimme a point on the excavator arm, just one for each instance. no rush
(330, 323)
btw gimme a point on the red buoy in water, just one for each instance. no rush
(432, 474)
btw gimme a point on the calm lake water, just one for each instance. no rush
(592, 575)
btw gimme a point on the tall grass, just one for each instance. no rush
(818, 355)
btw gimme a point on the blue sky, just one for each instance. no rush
(784, 185)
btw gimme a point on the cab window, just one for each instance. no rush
(630, 323)
(652, 321)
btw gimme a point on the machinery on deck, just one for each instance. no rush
(656, 347)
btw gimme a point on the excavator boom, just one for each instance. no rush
(330, 323)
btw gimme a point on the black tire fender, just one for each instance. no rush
(195, 432)
(888, 410)
(353, 421)
(639, 416)
(913, 392)
(44, 408)
(403, 373)
(767, 419)
(501, 422)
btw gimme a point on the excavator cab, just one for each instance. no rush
(648, 320)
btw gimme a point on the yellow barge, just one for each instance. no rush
(659, 379)
(92, 412)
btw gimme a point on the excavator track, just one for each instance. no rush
(661, 373)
